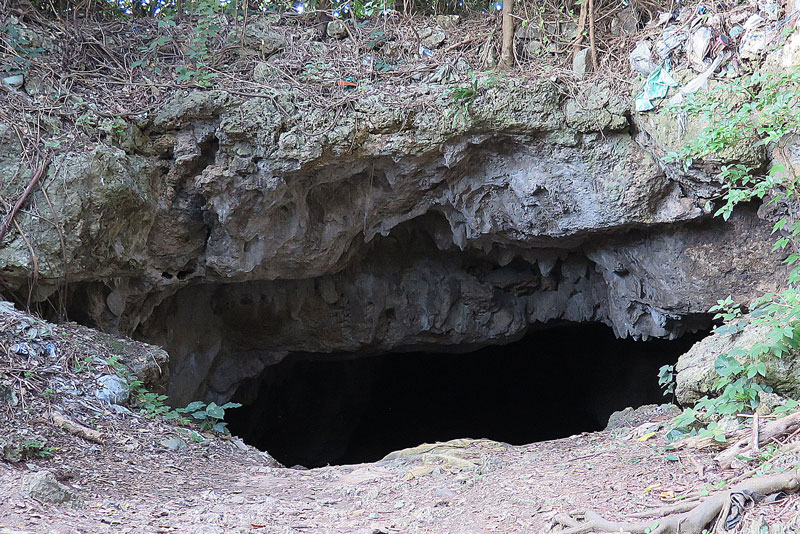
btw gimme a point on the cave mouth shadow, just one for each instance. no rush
(315, 410)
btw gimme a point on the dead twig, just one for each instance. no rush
(755, 433)
(592, 44)
(576, 46)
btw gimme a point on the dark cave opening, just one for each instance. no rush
(314, 410)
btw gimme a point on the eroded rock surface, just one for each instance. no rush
(696, 373)
(233, 230)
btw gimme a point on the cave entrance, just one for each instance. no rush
(314, 410)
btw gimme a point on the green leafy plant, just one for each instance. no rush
(464, 95)
(666, 379)
(36, 448)
(210, 416)
(760, 111)
(197, 49)
(22, 51)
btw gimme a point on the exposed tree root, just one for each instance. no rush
(714, 507)
(28, 190)
(776, 428)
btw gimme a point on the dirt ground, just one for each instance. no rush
(218, 487)
(127, 476)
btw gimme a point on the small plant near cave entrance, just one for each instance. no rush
(209, 416)
(763, 110)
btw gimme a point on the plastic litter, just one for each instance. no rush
(753, 22)
(740, 500)
(699, 46)
(720, 43)
(770, 8)
(756, 37)
(640, 58)
(657, 86)
(50, 351)
(23, 349)
(700, 80)
(736, 31)
(796, 11)
(424, 51)
(672, 38)
(663, 18)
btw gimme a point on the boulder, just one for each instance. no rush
(581, 63)
(44, 487)
(696, 373)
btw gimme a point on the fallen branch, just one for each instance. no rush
(689, 522)
(76, 429)
(461, 43)
(28, 190)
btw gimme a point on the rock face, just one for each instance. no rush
(696, 374)
(234, 230)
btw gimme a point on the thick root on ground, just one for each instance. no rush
(770, 431)
(685, 522)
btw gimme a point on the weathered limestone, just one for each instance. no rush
(234, 230)
(696, 374)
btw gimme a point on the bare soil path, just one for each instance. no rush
(135, 484)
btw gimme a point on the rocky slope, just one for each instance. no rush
(235, 229)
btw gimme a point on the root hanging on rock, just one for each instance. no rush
(37, 175)
(693, 521)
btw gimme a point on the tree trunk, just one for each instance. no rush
(507, 50)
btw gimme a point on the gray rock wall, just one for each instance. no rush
(233, 230)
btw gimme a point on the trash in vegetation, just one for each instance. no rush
(32, 349)
(708, 39)
(640, 58)
(770, 8)
(347, 83)
(700, 46)
(720, 43)
(672, 38)
(424, 51)
(663, 18)
(657, 85)
(740, 500)
(700, 80)
(23, 349)
(755, 39)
